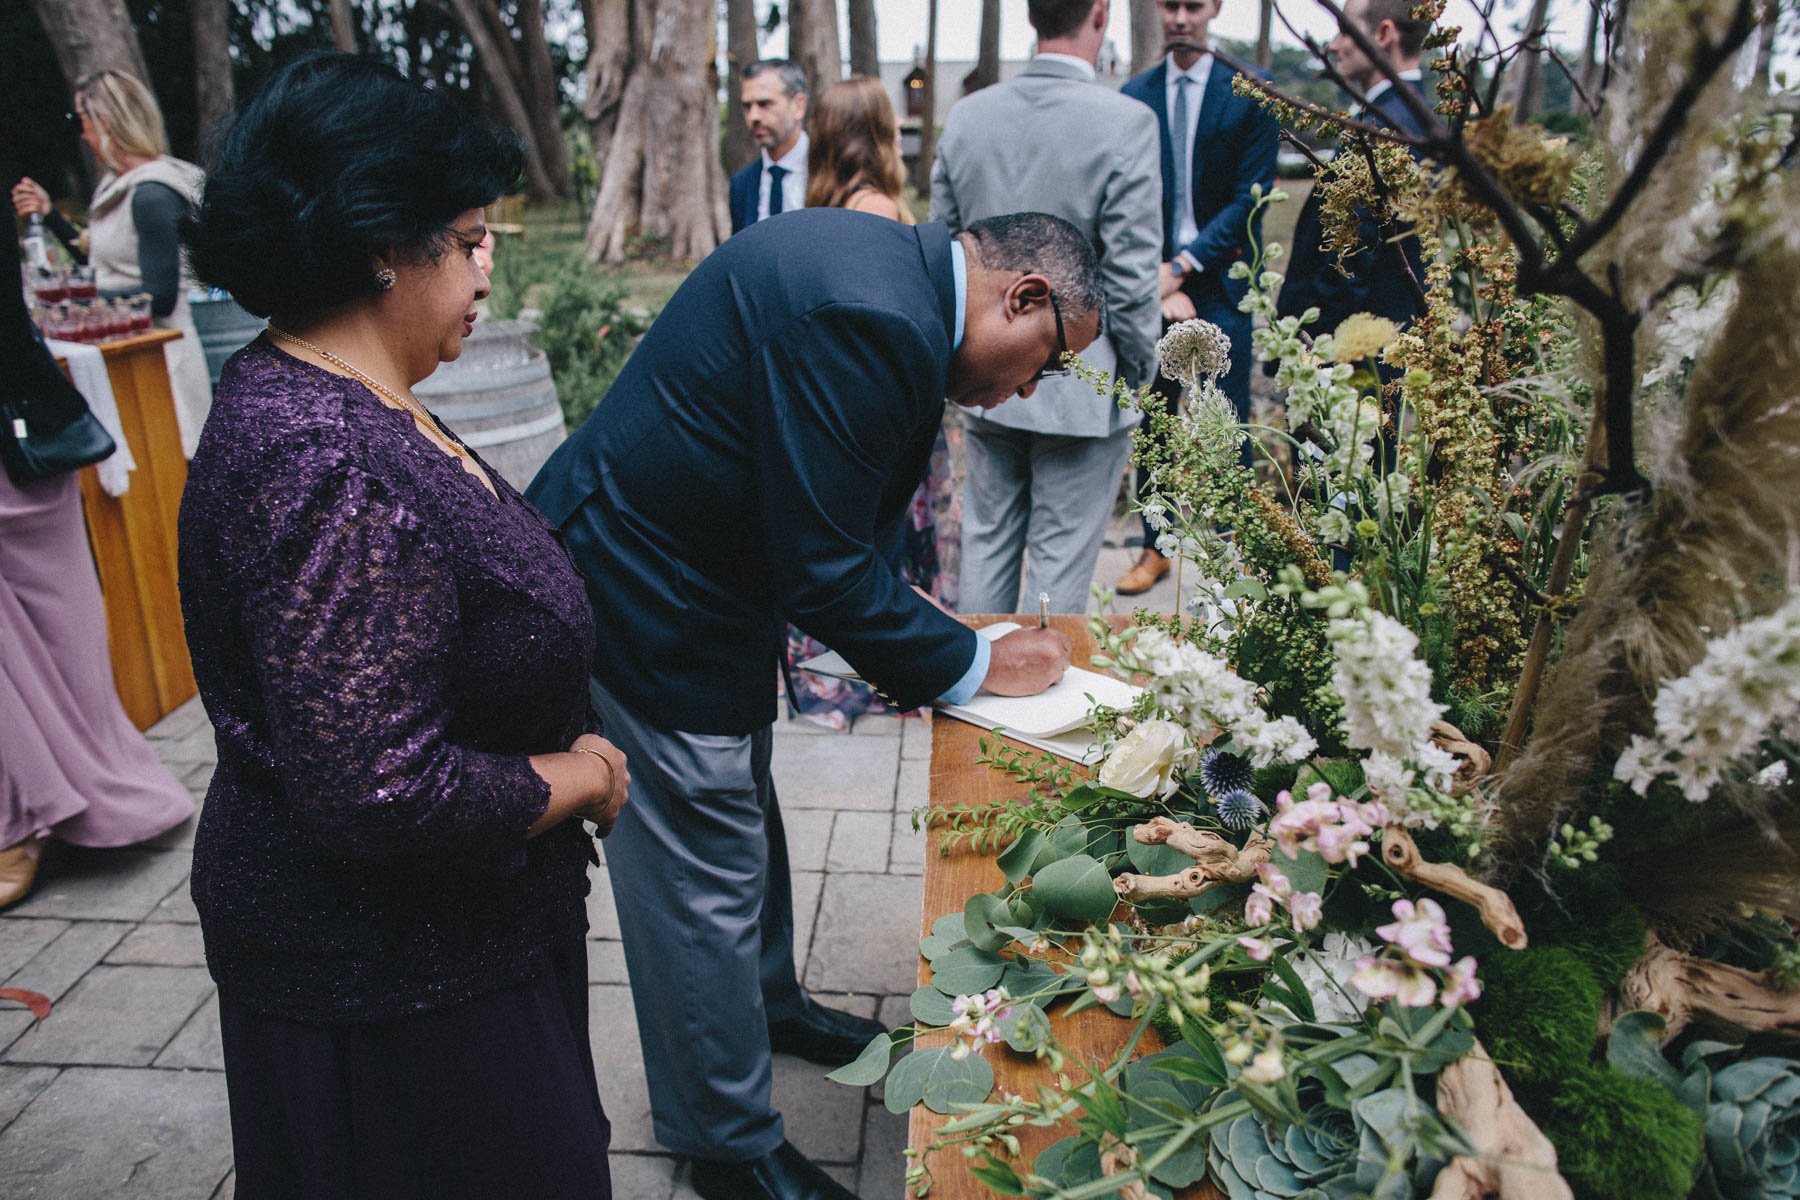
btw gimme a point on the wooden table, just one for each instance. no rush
(133, 536)
(949, 881)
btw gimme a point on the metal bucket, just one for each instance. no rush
(499, 399)
(224, 328)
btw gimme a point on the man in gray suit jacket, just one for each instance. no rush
(1043, 479)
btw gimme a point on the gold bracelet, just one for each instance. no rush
(611, 775)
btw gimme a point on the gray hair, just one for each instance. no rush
(793, 79)
(1040, 244)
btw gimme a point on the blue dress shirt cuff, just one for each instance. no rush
(966, 687)
(959, 270)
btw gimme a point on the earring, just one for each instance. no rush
(384, 278)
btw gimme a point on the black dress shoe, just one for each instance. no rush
(782, 1174)
(823, 1035)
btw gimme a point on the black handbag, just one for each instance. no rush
(46, 427)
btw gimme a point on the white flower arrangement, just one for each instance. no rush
(1202, 691)
(1744, 690)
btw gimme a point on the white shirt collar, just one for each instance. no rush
(794, 159)
(1198, 72)
(1083, 65)
(1385, 85)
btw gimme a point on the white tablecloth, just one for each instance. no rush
(87, 368)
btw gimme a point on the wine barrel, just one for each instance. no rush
(224, 328)
(498, 397)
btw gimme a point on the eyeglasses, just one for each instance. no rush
(1054, 368)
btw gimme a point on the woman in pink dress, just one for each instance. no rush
(72, 766)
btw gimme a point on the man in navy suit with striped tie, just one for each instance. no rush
(774, 101)
(1216, 145)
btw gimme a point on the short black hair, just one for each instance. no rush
(335, 161)
(1038, 243)
(1058, 18)
(793, 79)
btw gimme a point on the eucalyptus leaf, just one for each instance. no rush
(1017, 859)
(980, 914)
(931, 1007)
(939, 1080)
(1024, 1027)
(869, 1066)
(1635, 1048)
(1156, 860)
(966, 971)
(1215, 898)
(950, 927)
(1068, 836)
(1078, 888)
(1246, 587)
(933, 946)
(1305, 871)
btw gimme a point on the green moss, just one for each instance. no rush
(1618, 1137)
(1611, 945)
(1344, 776)
(1537, 1012)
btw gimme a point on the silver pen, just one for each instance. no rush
(1043, 610)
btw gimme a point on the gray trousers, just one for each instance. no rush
(699, 870)
(1038, 502)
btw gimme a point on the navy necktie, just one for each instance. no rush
(776, 175)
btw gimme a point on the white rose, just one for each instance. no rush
(1143, 763)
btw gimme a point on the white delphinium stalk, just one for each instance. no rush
(1388, 709)
(1202, 691)
(1744, 689)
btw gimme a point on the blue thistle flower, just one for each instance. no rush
(1222, 772)
(1238, 808)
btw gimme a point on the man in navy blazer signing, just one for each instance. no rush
(1216, 146)
(776, 418)
(773, 96)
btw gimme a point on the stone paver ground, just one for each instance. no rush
(120, 1094)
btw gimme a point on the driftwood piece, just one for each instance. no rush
(1730, 1000)
(1513, 1160)
(1216, 861)
(1475, 761)
(1401, 853)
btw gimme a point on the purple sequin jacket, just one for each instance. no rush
(380, 644)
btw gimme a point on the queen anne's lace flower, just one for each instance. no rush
(1193, 351)
(1744, 690)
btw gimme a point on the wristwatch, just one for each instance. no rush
(1178, 266)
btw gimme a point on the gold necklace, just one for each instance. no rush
(422, 418)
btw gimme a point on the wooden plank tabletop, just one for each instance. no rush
(950, 879)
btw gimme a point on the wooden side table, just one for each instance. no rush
(950, 879)
(133, 536)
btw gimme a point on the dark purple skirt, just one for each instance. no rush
(493, 1097)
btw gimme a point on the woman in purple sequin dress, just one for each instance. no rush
(393, 648)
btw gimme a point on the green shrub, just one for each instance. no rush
(1538, 1011)
(1618, 1137)
(587, 330)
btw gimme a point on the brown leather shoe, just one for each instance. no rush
(1144, 574)
(18, 870)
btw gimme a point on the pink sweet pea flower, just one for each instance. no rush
(1306, 908)
(1259, 909)
(1461, 986)
(1259, 949)
(1420, 931)
(1392, 979)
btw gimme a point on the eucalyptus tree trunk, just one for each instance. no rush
(740, 52)
(987, 59)
(1146, 35)
(1265, 29)
(90, 36)
(928, 124)
(343, 26)
(865, 58)
(654, 116)
(498, 56)
(1525, 89)
(813, 41)
(537, 78)
(214, 94)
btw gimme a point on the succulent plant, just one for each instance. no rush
(1752, 1123)
(1387, 1145)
